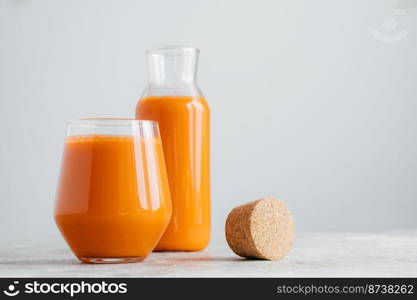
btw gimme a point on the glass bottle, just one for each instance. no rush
(173, 99)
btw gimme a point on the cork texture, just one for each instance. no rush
(262, 229)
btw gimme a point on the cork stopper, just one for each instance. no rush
(261, 229)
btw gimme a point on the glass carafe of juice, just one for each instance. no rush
(173, 99)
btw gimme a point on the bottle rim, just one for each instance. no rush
(172, 48)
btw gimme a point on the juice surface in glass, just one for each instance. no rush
(184, 127)
(113, 197)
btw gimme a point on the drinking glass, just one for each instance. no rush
(113, 202)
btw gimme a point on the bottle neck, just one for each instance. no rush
(172, 66)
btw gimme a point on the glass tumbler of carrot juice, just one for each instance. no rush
(173, 99)
(113, 202)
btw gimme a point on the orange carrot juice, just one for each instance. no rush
(184, 127)
(113, 197)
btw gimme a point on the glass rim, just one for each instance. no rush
(172, 48)
(98, 122)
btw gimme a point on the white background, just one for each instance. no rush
(307, 104)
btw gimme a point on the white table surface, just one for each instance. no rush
(382, 254)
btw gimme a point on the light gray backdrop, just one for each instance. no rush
(312, 101)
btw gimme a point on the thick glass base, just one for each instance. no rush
(196, 240)
(111, 260)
